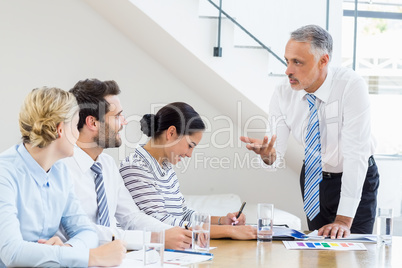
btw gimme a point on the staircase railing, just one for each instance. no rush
(218, 50)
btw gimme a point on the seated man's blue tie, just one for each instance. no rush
(313, 167)
(103, 209)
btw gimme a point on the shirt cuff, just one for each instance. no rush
(348, 206)
(278, 164)
(88, 241)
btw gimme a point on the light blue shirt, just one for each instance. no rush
(33, 204)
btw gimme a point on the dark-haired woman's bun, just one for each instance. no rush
(149, 124)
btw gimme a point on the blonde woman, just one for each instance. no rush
(37, 193)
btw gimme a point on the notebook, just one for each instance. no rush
(284, 233)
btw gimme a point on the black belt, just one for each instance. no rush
(329, 175)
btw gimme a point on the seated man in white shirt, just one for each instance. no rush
(107, 201)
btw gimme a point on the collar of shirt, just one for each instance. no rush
(153, 162)
(36, 171)
(84, 161)
(323, 92)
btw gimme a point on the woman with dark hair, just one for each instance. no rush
(150, 178)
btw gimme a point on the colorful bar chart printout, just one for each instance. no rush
(323, 245)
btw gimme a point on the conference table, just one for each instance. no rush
(231, 253)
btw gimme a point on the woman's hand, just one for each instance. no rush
(243, 232)
(231, 219)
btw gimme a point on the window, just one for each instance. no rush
(379, 60)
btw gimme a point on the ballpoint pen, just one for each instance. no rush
(241, 210)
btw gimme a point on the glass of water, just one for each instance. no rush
(265, 220)
(384, 225)
(153, 246)
(201, 223)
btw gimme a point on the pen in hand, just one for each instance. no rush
(240, 210)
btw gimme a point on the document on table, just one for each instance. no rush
(130, 263)
(185, 257)
(356, 238)
(283, 233)
(302, 245)
(280, 233)
(174, 257)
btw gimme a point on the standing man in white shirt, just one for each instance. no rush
(107, 201)
(328, 111)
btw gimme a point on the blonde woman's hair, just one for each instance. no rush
(42, 111)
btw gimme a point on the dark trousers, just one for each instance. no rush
(330, 190)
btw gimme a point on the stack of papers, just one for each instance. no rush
(185, 257)
(284, 233)
(356, 238)
(313, 241)
(280, 233)
(174, 257)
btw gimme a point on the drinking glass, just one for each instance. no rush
(201, 223)
(384, 225)
(265, 219)
(153, 246)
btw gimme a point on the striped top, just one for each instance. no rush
(155, 189)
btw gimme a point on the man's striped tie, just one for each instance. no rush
(313, 168)
(103, 209)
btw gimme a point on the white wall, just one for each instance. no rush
(192, 23)
(57, 43)
(246, 70)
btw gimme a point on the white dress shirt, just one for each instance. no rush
(122, 208)
(345, 126)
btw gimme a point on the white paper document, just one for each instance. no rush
(130, 263)
(183, 258)
(173, 257)
(357, 238)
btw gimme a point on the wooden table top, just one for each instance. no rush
(231, 253)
